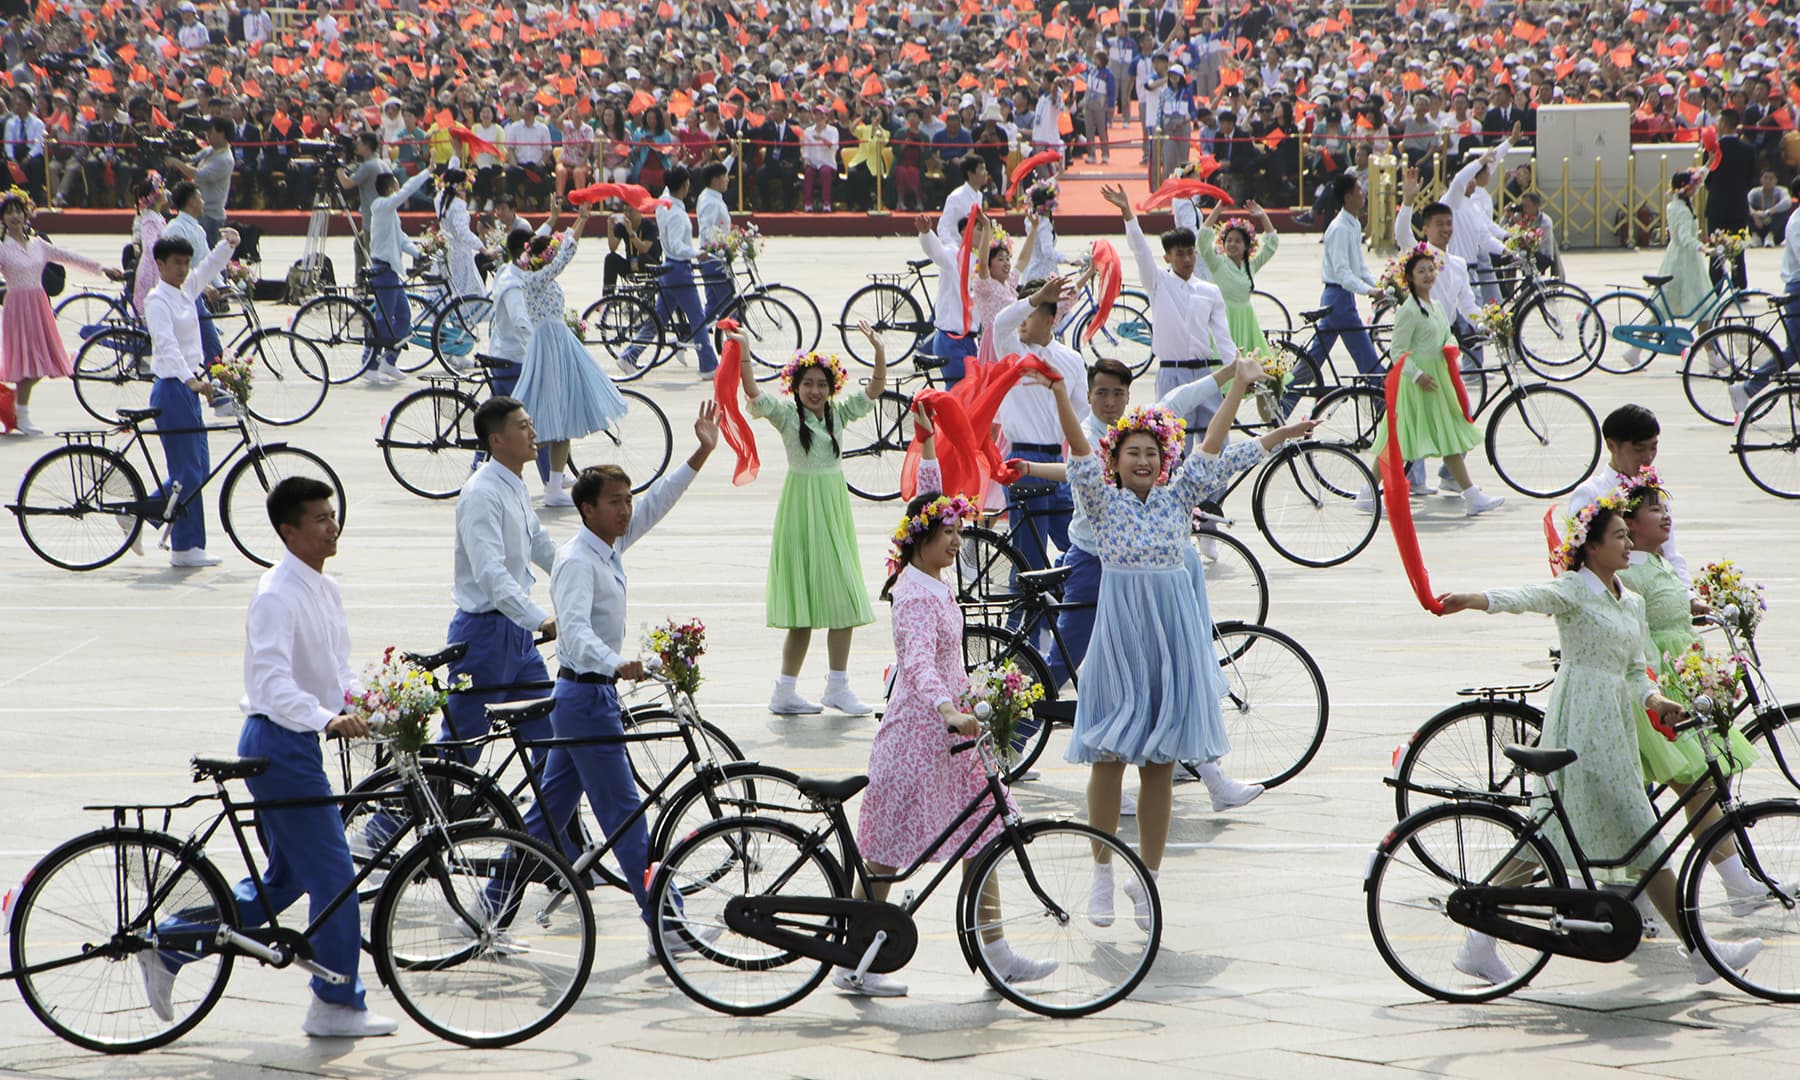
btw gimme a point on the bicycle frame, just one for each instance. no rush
(248, 436)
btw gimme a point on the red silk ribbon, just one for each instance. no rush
(1183, 189)
(1394, 489)
(1551, 538)
(1112, 278)
(472, 143)
(1453, 364)
(1024, 168)
(635, 196)
(964, 253)
(967, 456)
(733, 425)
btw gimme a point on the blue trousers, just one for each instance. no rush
(1036, 518)
(1076, 627)
(308, 855)
(1790, 321)
(1345, 322)
(721, 286)
(1485, 281)
(955, 350)
(603, 772)
(211, 348)
(676, 290)
(187, 456)
(393, 316)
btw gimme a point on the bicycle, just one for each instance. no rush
(1727, 354)
(428, 438)
(1473, 863)
(83, 504)
(342, 324)
(764, 908)
(1125, 335)
(797, 301)
(133, 892)
(900, 308)
(1550, 314)
(1648, 327)
(1767, 439)
(634, 339)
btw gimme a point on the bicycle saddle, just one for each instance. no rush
(929, 362)
(1784, 298)
(487, 361)
(138, 415)
(1043, 581)
(918, 264)
(450, 655)
(515, 713)
(1654, 280)
(228, 768)
(1315, 314)
(1539, 760)
(831, 791)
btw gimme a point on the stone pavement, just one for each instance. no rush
(110, 680)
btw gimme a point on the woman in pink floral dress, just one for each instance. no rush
(917, 787)
(31, 347)
(152, 218)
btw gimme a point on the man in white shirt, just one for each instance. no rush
(1346, 277)
(179, 364)
(1029, 418)
(528, 168)
(1741, 393)
(258, 25)
(187, 202)
(1631, 433)
(965, 198)
(388, 248)
(953, 343)
(192, 34)
(296, 676)
(587, 588)
(675, 288)
(713, 219)
(24, 144)
(1478, 237)
(1152, 75)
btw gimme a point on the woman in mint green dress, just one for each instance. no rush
(1233, 253)
(815, 574)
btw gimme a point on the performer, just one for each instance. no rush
(1632, 434)
(953, 343)
(1346, 277)
(565, 392)
(713, 219)
(146, 229)
(994, 282)
(815, 577)
(1684, 261)
(461, 243)
(1601, 687)
(587, 587)
(1151, 707)
(676, 287)
(296, 675)
(966, 198)
(916, 786)
(1741, 393)
(1233, 254)
(31, 346)
(388, 248)
(185, 200)
(1041, 260)
(1478, 238)
(180, 369)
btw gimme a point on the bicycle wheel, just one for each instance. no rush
(1543, 441)
(85, 314)
(1237, 590)
(1125, 337)
(812, 324)
(654, 759)
(243, 502)
(1271, 314)
(1716, 917)
(422, 312)
(984, 645)
(875, 447)
(1558, 335)
(1276, 705)
(1349, 416)
(340, 328)
(1778, 728)
(1630, 313)
(737, 789)
(625, 336)
(485, 937)
(639, 442)
(896, 316)
(112, 372)
(88, 912)
(459, 332)
(288, 377)
(774, 330)
(1429, 856)
(1304, 503)
(739, 859)
(1767, 442)
(987, 568)
(1305, 382)
(1721, 357)
(1035, 895)
(1459, 748)
(79, 506)
(428, 442)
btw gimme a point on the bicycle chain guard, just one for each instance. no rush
(842, 942)
(1489, 908)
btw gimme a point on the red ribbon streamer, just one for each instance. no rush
(635, 196)
(1024, 168)
(1709, 142)
(471, 143)
(967, 456)
(1112, 278)
(1552, 539)
(1183, 189)
(1394, 489)
(1453, 364)
(962, 258)
(9, 410)
(733, 425)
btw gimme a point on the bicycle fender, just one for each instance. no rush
(1489, 909)
(844, 936)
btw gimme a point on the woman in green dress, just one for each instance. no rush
(1601, 690)
(1684, 261)
(1431, 421)
(815, 574)
(1233, 253)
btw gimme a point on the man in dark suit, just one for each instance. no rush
(780, 165)
(109, 163)
(254, 165)
(1728, 186)
(1499, 121)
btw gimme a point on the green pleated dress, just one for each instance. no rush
(1237, 284)
(1671, 634)
(1431, 421)
(815, 574)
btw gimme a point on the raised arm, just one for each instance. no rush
(878, 377)
(746, 367)
(1022, 257)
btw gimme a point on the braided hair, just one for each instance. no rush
(806, 435)
(449, 187)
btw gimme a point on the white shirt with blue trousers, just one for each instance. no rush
(189, 228)
(296, 673)
(177, 355)
(388, 248)
(1346, 277)
(675, 288)
(950, 342)
(587, 587)
(714, 219)
(1790, 311)
(1028, 417)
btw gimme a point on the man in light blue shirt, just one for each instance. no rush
(587, 587)
(388, 248)
(714, 220)
(1346, 277)
(1741, 393)
(675, 288)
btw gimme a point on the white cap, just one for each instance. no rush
(632, 74)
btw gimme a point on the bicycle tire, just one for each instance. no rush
(1350, 416)
(640, 442)
(1052, 865)
(897, 318)
(1305, 381)
(812, 323)
(428, 441)
(1276, 704)
(1459, 747)
(737, 789)
(721, 969)
(86, 313)
(1271, 314)
(1555, 429)
(288, 370)
(986, 567)
(426, 948)
(1633, 313)
(259, 471)
(72, 498)
(1237, 589)
(1304, 504)
(82, 890)
(875, 447)
(1722, 356)
(1767, 441)
(992, 645)
(422, 313)
(1125, 337)
(1549, 325)
(112, 371)
(459, 333)
(615, 324)
(339, 327)
(1778, 727)
(1406, 894)
(1714, 915)
(650, 767)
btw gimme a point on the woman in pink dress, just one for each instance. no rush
(995, 285)
(916, 786)
(31, 347)
(152, 218)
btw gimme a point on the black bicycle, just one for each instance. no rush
(631, 338)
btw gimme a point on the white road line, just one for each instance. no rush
(46, 663)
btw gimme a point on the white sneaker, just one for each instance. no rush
(1735, 955)
(1127, 805)
(1746, 895)
(679, 944)
(1447, 484)
(125, 522)
(24, 425)
(1474, 502)
(1715, 360)
(392, 373)
(1227, 793)
(1418, 486)
(788, 702)
(1140, 903)
(844, 700)
(1100, 895)
(1632, 353)
(870, 985)
(372, 376)
(1013, 968)
(1480, 960)
(193, 557)
(1740, 399)
(558, 497)
(1365, 500)
(327, 1021)
(159, 984)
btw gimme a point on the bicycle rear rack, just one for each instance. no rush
(85, 438)
(887, 279)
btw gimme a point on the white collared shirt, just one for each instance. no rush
(388, 242)
(1476, 233)
(296, 648)
(1790, 250)
(1344, 266)
(1603, 483)
(957, 205)
(174, 325)
(949, 316)
(1028, 414)
(1187, 317)
(498, 537)
(509, 326)
(1452, 290)
(587, 585)
(674, 230)
(715, 216)
(529, 144)
(258, 25)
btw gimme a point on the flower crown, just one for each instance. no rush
(19, 193)
(1634, 490)
(1393, 279)
(528, 260)
(157, 187)
(912, 527)
(1042, 194)
(1575, 528)
(828, 362)
(1168, 429)
(1252, 238)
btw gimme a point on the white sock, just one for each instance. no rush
(1470, 493)
(1212, 775)
(837, 678)
(1103, 871)
(784, 682)
(1731, 871)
